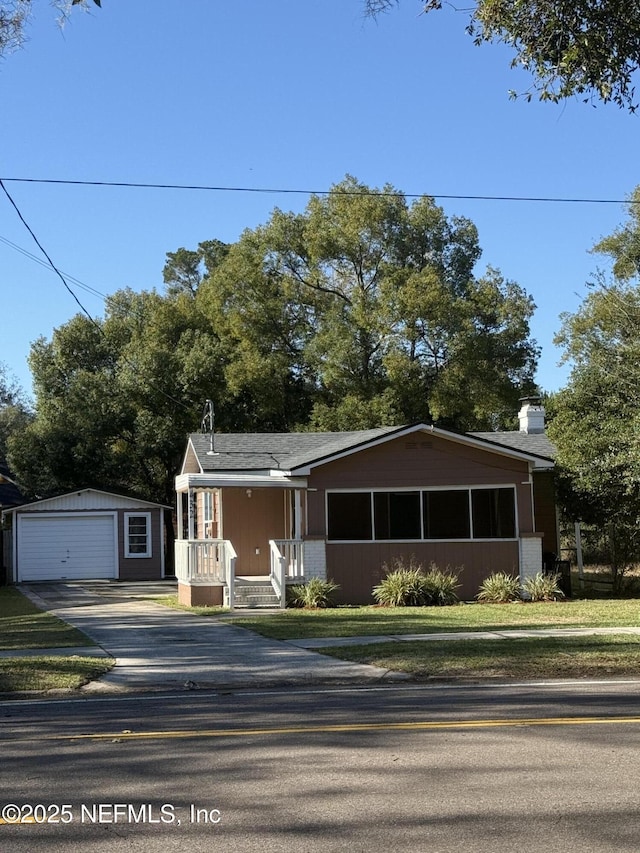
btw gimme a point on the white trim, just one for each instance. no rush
(127, 540)
(217, 480)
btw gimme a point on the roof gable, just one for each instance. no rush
(298, 452)
(87, 499)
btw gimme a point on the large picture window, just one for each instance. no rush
(428, 514)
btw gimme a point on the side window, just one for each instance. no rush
(137, 532)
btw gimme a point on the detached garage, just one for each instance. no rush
(88, 534)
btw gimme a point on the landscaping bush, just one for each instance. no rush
(314, 593)
(543, 588)
(441, 586)
(499, 588)
(410, 586)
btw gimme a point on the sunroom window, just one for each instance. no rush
(429, 514)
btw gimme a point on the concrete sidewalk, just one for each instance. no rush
(514, 634)
(159, 648)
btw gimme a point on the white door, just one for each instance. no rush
(66, 547)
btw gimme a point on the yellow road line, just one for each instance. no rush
(346, 728)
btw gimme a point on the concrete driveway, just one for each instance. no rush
(159, 648)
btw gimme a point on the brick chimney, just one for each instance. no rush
(531, 415)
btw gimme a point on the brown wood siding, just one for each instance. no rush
(359, 567)
(249, 523)
(419, 462)
(141, 568)
(544, 497)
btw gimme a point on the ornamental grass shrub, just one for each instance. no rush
(499, 588)
(313, 594)
(410, 586)
(542, 588)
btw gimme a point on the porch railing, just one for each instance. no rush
(206, 561)
(286, 564)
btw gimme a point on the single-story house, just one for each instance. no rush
(289, 507)
(87, 534)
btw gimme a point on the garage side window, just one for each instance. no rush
(137, 534)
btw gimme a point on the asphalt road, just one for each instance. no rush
(409, 768)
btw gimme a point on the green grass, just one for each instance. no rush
(23, 626)
(526, 658)
(172, 602)
(50, 673)
(372, 621)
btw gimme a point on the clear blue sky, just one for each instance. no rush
(284, 94)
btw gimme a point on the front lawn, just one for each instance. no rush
(50, 673)
(525, 658)
(23, 626)
(384, 621)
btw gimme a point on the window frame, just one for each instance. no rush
(422, 490)
(128, 553)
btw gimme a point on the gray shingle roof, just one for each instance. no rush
(276, 451)
(262, 452)
(536, 443)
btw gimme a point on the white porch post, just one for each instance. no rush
(179, 509)
(192, 513)
(297, 521)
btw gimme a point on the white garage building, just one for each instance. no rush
(88, 534)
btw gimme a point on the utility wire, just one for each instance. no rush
(82, 308)
(44, 252)
(285, 191)
(68, 276)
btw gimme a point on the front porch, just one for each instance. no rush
(207, 577)
(240, 538)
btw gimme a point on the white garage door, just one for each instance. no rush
(66, 547)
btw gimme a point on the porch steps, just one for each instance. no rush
(258, 594)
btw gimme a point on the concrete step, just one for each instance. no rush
(259, 594)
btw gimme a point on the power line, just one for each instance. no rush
(68, 276)
(82, 308)
(294, 191)
(44, 252)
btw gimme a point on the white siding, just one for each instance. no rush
(66, 547)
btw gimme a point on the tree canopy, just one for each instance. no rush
(363, 310)
(589, 48)
(14, 15)
(596, 423)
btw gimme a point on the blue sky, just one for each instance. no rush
(284, 94)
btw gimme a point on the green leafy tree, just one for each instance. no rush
(589, 48)
(15, 411)
(115, 398)
(14, 15)
(596, 418)
(364, 310)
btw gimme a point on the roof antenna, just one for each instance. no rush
(207, 424)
